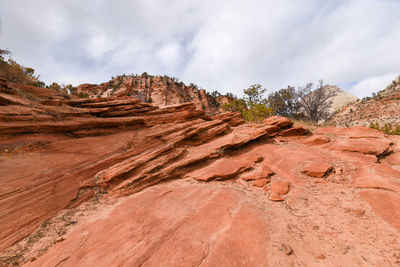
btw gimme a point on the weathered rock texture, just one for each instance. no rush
(173, 186)
(383, 109)
(159, 90)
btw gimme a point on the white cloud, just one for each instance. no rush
(372, 85)
(220, 44)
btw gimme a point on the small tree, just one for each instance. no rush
(3, 53)
(255, 94)
(285, 102)
(316, 102)
(55, 86)
(215, 94)
(15, 72)
(257, 112)
(194, 86)
(236, 105)
(253, 106)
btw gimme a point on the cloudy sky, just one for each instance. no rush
(218, 44)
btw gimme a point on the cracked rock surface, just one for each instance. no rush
(112, 181)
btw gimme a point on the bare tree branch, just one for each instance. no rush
(316, 102)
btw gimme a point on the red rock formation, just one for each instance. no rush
(261, 182)
(163, 239)
(278, 189)
(278, 121)
(159, 90)
(295, 131)
(382, 109)
(175, 186)
(317, 169)
(317, 140)
(260, 172)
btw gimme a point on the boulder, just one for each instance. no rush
(279, 121)
(278, 189)
(317, 169)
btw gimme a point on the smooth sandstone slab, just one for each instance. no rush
(261, 182)
(175, 226)
(386, 204)
(259, 172)
(352, 132)
(317, 140)
(372, 146)
(294, 131)
(393, 159)
(224, 168)
(209, 225)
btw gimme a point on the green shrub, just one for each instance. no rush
(387, 129)
(83, 95)
(374, 125)
(253, 107)
(14, 72)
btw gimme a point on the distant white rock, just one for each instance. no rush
(341, 99)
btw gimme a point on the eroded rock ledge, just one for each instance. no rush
(57, 153)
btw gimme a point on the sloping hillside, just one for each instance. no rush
(341, 99)
(384, 108)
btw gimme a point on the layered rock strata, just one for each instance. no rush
(173, 185)
(159, 90)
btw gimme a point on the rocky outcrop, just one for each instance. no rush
(317, 169)
(384, 108)
(216, 214)
(392, 90)
(159, 90)
(113, 180)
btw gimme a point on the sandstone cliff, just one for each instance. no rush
(159, 90)
(115, 181)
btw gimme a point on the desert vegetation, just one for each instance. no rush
(387, 128)
(17, 73)
(253, 106)
(14, 72)
(307, 103)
